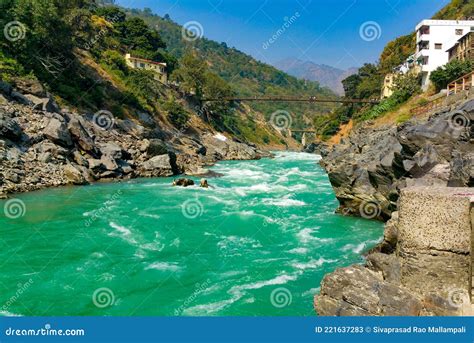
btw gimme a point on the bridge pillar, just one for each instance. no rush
(303, 139)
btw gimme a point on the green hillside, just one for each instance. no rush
(246, 75)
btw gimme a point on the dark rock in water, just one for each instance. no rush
(183, 182)
(316, 148)
(203, 183)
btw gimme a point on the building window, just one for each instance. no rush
(424, 45)
(142, 65)
(425, 30)
(438, 46)
(459, 32)
(425, 60)
(472, 28)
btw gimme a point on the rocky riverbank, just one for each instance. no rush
(418, 174)
(370, 167)
(42, 145)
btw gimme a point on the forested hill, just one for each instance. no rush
(246, 75)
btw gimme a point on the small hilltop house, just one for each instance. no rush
(158, 68)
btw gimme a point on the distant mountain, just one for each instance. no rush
(326, 75)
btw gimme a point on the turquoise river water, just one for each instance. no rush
(257, 243)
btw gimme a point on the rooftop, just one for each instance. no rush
(145, 60)
(430, 22)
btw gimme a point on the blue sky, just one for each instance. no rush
(326, 32)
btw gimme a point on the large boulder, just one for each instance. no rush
(111, 150)
(30, 86)
(57, 131)
(77, 128)
(156, 147)
(73, 175)
(157, 166)
(9, 127)
(43, 104)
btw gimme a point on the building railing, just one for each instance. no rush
(464, 83)
(429, 106)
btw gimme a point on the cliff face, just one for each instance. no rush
(418, 174)
(370, 167)
(423, 267)
(42, 145)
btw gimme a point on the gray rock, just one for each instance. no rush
(73, 175)
(57, 132)
(45, 157)
(156, 147)
(43, 104)
(30, 86)
(20, 98)
(5, 88)
(80, 159)
(77, 128)
(157, 166)
(9, 127)
(111, 150)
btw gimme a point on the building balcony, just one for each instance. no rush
(423, 37)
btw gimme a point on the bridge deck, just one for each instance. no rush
(295, 99)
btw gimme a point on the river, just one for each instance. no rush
(258, 242)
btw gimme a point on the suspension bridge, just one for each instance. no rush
(311, 99)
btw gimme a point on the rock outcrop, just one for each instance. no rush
(370, 167)
(44, 146)
(423, 266)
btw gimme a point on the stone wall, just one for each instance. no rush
(423, 266)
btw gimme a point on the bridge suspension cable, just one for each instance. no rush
(296, 99)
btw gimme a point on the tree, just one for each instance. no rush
(191, 73)
(451, 71)
(216, 87)
(176, 114)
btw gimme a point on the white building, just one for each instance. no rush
(433, 39)
(139, 63)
